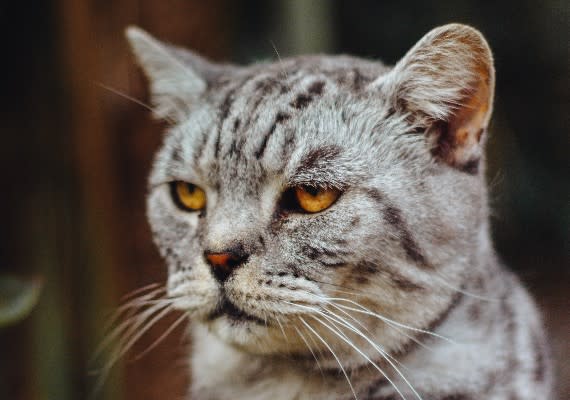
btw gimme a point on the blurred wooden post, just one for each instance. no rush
(113, 145)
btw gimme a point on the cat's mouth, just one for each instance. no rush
(229, 310)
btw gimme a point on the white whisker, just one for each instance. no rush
(140, 290)
(381, 351)
(334, 355)
(349, 342)
(125, 96)
(310, 349)
(443, 282)
(412, 338)
(161, 338)
(127, 326)
(364, 310)
(131, 305)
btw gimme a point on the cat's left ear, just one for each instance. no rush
(445, 84)
(178, 77)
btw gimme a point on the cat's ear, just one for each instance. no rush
(445, 83)
(176, 81)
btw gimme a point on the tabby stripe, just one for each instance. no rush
(315, 158)
(198, 149)
(176, 155)
(279, 118)
(304, 99)
(366, 268)
(263, 88)
(358, 80)
(316, 88)
(393, 216)
(225, 111)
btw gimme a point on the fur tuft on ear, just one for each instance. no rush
(174, 84)
(446, 84)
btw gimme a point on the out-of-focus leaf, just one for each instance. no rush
(18, 297)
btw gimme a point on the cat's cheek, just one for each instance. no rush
(189, 284)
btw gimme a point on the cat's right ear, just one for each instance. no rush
(175, 85)
(445, 85)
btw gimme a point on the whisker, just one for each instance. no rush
(443, 282)
(381, 351)
(130, 305)
(134, 100)
(364, 310)
(161, 338)
(127, 326)
(125, 96)
(140, 290)
(310, 349)
(334, 355)
(124, 347)
(349, 342)
(280, 60)
(412, 338)
(368, 331)
(281, 327)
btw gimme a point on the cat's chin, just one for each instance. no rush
(251, 336)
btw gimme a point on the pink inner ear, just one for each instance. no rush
(459, 140)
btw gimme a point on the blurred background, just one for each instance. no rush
(74, 159)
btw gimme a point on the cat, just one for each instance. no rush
(325, 224)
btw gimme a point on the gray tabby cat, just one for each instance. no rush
(326, 227)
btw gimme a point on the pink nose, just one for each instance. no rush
(224, 263)
(217, 260)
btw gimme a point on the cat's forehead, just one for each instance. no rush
(292, 74)
(273, 120)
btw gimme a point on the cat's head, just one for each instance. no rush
(296, 197)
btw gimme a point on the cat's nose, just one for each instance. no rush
(224, 263)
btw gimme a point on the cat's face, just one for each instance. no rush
(315, 192)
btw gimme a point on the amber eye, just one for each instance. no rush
(187, 196)
(313, 199)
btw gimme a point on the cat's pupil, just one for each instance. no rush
(191, 188)
(313, 191)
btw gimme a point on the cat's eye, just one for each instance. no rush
(187, 196)
(315, 199)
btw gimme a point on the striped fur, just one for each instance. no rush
(401, 264)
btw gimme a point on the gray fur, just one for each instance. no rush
(407, 239)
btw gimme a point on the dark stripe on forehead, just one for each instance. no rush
(317, 158)
(262, 90)
(301, 101)
(279, 118)
(393, 217)
(225, 109)
(304, 99)
(358, 80)
(199, 148)
(176, 155)
(316, 88)
(237, 123)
